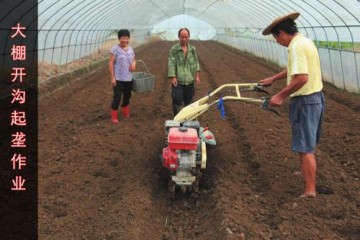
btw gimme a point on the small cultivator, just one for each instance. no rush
(185, 152)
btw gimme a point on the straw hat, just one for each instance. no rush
(292, 16)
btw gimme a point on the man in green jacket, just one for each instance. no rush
(183, 71)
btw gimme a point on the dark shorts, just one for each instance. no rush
(306, 117)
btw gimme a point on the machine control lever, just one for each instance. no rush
(265, 105)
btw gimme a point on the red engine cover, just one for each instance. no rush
(183, 138)
(170, 159)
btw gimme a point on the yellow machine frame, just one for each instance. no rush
(200, 106)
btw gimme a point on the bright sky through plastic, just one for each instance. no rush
(199, 30)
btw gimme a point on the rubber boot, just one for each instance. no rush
(125, 111)
(114, 116)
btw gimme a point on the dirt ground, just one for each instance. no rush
(103, 181)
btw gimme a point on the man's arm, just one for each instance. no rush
(172, 67)
(197, 74)
(269, 80)
(172, 64)
(296, 83)
(197, 78)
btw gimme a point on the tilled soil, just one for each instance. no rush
(103, 181)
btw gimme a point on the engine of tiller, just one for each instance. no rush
(185, 153)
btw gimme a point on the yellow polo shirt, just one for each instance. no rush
(303, 58)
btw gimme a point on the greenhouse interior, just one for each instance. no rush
(95, 171)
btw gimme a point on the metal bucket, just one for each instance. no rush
(143, 81)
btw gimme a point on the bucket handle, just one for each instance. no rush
(144, 65)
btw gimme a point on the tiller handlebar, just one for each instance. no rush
(200, 106)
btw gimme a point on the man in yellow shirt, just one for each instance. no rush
(304, 86)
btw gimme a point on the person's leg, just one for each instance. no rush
(125, 109)
(189, 94)
(126, 89)
(321, 117)
(305, 117)
(308, 169)
(177, 98)
(116, 96)
(115, 103)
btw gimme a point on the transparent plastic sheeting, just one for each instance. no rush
(70, 30)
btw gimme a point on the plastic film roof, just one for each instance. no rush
(70, 30)
(144, 14)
